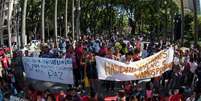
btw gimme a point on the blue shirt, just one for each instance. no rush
(1, 95)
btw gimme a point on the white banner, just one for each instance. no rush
(15, 98)
(149, 67)
(49, 69)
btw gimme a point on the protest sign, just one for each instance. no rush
(149, 67)
(49, 69)
(15, 98)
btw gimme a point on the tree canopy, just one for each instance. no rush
(98, 16)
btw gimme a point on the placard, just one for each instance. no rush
(49, 69)
(15, 98)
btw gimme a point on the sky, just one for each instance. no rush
(200, 4)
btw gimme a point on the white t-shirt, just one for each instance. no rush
(194, 66)
(176, 60)
(123, 58)
(189, 99)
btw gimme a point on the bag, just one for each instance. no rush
(86, 80)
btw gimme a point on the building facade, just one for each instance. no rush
(4, 12)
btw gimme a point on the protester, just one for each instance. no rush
(5, 62)
(186, 69)
(192, 97)
(177, 95)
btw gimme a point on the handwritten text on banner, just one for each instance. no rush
(149, 67)
(49, 69)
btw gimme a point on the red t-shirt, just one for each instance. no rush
(33, 96)
(5, 62)
(79, 51)
(136, 57)
(1, 52)
(103, 51)
(85, 98)
(177, 97)
(128, 88)
(60, 97)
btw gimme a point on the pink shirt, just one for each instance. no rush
(103, 51)
(5, 62)
(138, 45)
(149, 93)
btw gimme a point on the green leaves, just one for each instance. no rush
(105, 15)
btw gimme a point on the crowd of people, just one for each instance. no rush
(181, 83)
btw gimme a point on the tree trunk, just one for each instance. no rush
(73, 22)
(78, 20)
(24, 24)
(18, 29)
(172, 27)
(66, 19)
(195, 22)
(1, 25)
(55, 22)
(166, 22)
(182, 22)
(48, 31)
(43, 21)
(10, 9)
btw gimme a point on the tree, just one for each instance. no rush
(66, 18)
(24, 23)
(101, 16)
(78, 20)
(73, 22)
(188, 25)
(199, 26)
(195, 21)
(182, 22)
(9, 24)
(43, 21)
(55, 22)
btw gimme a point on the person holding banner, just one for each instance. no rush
(109, 84)
(5, 65)
(117, 54)
(136, 55)
(45, 53)
(91, 69)
(127, 58)
(71, 54)
(5, 62)
(103, 50)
